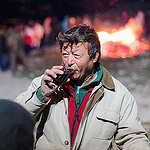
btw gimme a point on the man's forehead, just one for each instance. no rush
(75, 46)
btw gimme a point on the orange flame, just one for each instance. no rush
(126, 42)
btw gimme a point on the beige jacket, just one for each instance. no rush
(110, 114)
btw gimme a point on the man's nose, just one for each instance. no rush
(70, 61)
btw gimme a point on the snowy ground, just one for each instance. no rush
(134, 73)
(11, 86)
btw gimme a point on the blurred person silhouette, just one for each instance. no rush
(16, 127)
(15, 43)
(72, 22)
(139, 18)
(4, 52)
(97, 23)
(107, 19)
(55, 31)
(47, 31)
(51, 30)
(30, 38)
(38, 32)
(90, 109)
(65, 23)
(124, 18)
(79, 20)
(86, 20)
(147, 24)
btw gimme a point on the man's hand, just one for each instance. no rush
(48, 84)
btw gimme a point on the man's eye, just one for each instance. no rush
(65, 54)
(77, 55)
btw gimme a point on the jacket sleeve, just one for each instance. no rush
(131, 135)
(29, 100)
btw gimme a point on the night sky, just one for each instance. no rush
(39, 9)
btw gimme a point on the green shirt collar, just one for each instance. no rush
(97, 79)
(80, 92)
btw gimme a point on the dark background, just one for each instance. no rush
(10, 10)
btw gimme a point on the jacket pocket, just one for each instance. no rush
(105, 124)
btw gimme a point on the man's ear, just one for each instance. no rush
(96, 57)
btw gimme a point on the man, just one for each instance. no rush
(4, 52)
(16, 127)
(88, 111)
(15, 43)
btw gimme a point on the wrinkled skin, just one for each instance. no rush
(76, 58)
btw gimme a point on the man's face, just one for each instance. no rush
(77, 58)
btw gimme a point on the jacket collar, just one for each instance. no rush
(107, 80)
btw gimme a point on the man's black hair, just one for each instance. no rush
(81, 34)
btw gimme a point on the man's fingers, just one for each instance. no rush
(54, 71)
(48, 78)
(50, 74)
(51, 85)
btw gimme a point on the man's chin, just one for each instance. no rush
(74, 77)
